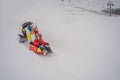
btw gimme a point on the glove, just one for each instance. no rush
(31, 43)
(47, 44)
(40, 43)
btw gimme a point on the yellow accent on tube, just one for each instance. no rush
(39, 50)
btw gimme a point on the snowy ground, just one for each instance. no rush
(86, 45)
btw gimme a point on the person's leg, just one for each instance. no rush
(24, 35)
(42, 47)
(48, 48)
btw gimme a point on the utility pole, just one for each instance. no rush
(110, 4)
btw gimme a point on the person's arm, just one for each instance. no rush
(43, 42)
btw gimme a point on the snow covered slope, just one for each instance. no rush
(95, 6)
(86, 46)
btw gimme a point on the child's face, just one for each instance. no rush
(32, 27)
(38, 37)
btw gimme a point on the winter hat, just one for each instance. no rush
(26, 24)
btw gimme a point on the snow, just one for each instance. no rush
(86, 45)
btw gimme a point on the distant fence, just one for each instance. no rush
(114, 11)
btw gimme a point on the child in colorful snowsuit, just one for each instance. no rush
(28, 30)
(39, 42)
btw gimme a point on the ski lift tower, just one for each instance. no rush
(110, 4)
